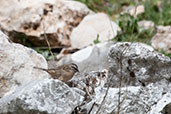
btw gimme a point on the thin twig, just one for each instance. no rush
(120, 84)
(120, 103)
(46, 47)
(47, 41)
(103, 100)
(121, 68)
(92, 107)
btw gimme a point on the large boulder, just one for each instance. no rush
(162, 40)
(30, 20)
(93, 27)
(137, 64)
(17, 64)
(48, 96)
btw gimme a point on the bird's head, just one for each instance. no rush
(74, 67)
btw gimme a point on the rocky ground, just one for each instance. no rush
(114, 77)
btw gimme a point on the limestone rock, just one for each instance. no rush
(141, 65)
(29, 20)
(48, 96)
(88, 58)
(17, 64)
(162, 40)
(92, 26)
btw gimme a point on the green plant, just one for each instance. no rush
(22, 38)
(97, 40)
(131, 31)
(45, 53)
(157, 11)
(110, 7)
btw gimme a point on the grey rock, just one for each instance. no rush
(134, 100)
(141, 65)
(41, 97)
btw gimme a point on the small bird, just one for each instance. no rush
(63, 73)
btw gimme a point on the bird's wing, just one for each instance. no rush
(66, 68)
(51, 71)
(54, 73)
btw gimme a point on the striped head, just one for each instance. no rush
(74, 67)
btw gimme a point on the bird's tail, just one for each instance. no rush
(40, 68)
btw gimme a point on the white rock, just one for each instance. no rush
(56, 18)
(92, 26)
(17, 64)
(47, 96)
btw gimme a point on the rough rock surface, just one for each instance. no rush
(151, 99)
(48, 96)
(162, 40)
(29, 20)
(17, 64)
(147, 71)
(92, 26)
(88, 58)
(141, 65)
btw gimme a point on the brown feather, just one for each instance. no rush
(63, 73)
